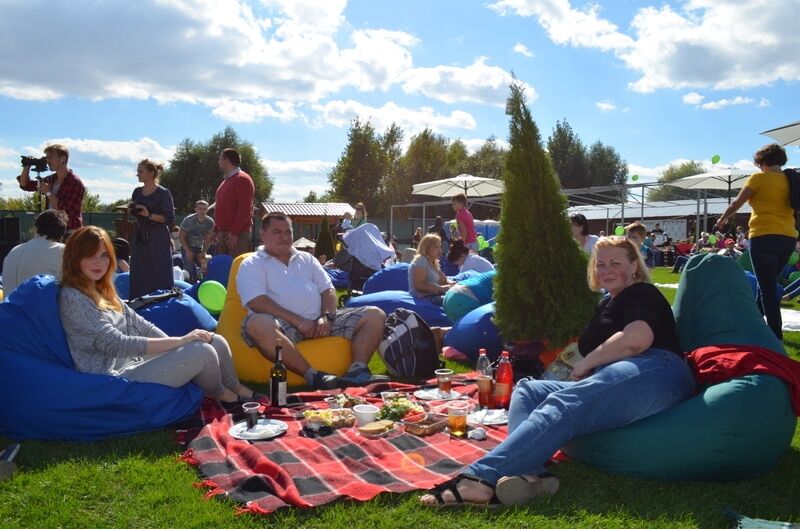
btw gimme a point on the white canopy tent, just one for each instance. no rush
(785, 135)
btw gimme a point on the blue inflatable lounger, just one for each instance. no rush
(46, 398)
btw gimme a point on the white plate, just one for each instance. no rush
(488, 417)
(382, 434)
(265, 429)
(435, 394)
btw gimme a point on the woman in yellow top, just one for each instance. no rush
(772, 227)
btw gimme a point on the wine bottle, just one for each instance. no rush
(504, 382)
(277, 381)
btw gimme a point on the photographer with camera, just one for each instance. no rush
(63, 189)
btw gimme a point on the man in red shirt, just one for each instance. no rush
(63, 189)
(233, 211)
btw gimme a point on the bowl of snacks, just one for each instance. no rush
(338, 418)
(430, 424)
(397, 409)
(343, 400)
(389, 396)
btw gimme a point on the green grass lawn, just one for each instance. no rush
(137, 482)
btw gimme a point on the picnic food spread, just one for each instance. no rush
(396, 409)
(336, 418)
(343, 400)
(377, 427)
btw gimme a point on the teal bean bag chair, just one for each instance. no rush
(469, 294)
(734, 430)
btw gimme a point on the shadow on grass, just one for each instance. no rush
(37, 455)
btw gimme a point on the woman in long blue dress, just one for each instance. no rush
(151, 255)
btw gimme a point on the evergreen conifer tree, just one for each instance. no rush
(541, 291)
(324, 244)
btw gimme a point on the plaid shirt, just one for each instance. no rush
(69, 195)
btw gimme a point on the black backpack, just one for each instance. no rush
(794, 188)
(408, 347)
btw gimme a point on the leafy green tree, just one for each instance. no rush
(488, 161)
(311, 197)
(568, 156)
(673, 172)
(91, 203)
(391, 190)
(324, 244)
(194, 174)
(541, 291)
(457, 158)
(606, 168)
(357, 175)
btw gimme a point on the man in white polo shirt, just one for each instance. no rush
(290, 298)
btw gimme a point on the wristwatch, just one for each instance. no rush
(330, 316)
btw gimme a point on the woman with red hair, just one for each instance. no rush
(106, 336)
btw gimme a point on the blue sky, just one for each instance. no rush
(662, 82)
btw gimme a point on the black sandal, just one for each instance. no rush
(452, 486)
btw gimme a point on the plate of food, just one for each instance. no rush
(397, 409)
(488, 417)
(377, 429)
(335, 418)
(264, 429)
(389, 396)
(343, 400)
(436, 394)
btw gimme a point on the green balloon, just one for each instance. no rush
(619, 230)
(712, 239)
(482, 244)
(635, 177)
(794, 258)
(715, 158)
(794, 276)
(212, 296)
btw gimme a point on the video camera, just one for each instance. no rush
(37, 164)
(134, 207)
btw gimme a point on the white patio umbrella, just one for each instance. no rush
(722, 179)
(725, 179)
(471, 186)
(786, 135)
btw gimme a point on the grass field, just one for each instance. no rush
(137, 482)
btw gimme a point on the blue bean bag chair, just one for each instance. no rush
(476, 331)
(122, 283)
(389, 300)
(394, 277)
(45, 398)
(734, 430)
(179, 315)
(753, 282)
(219, 267)
(469, 294)
(339, 278)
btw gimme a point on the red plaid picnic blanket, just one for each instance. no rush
(293, 470)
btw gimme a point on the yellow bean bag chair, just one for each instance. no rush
(331, 354)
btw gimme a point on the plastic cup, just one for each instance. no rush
(444, 378)
(457, 418)
(251, 410)
(365, 413)
(485, 391)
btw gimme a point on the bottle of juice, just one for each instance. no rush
(504, 382)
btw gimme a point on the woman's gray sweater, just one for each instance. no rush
(102, 341)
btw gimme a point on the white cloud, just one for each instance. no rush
(522, 50)
(9, 159)
(476, 83)
(693, 98)
(474, 144)
(292, 168)
(698, 46)
(606, 106)
(243, 112)
(412, 121)
(565, 25)
(104, 151)
(246, 60)
(764, 103)
(722, 103)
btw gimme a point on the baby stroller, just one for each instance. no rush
(363, 254)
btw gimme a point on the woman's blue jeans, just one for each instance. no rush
(769, 254)
(546, 414)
